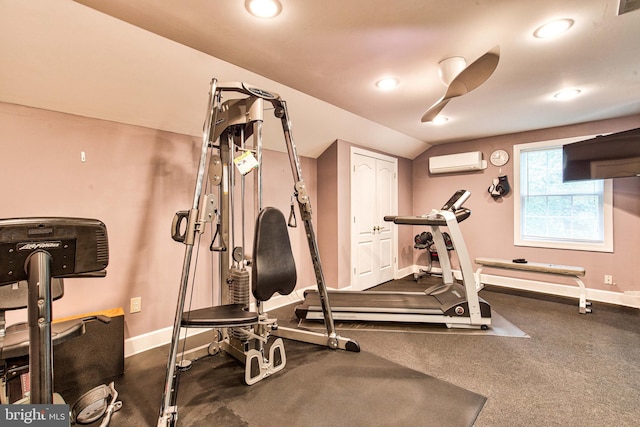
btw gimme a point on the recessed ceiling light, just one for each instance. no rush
(567, 94)
(387, 83)
(553, 28)
(263, 8)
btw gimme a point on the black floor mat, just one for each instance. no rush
(318, 387)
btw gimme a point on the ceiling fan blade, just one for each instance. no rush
(434, 110)
(469, 79)
(474, 75)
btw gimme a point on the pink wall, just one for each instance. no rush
(328, 215)
(134, 180)
(405, 207)
(489, 230)
(278, 185)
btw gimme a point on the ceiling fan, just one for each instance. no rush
(467, 80)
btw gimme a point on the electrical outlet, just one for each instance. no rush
(136, 305)
(608, 279)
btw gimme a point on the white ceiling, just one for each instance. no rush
(67, 57)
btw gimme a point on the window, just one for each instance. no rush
(549, 213)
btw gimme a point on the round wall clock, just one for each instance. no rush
(499, 158)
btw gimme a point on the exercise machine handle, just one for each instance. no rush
(223, 245)
(176, 224)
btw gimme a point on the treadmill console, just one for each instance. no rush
(456, 201)
(436, 217)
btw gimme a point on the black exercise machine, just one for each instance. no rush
(273, 270)
(36, 254)
(241, 331)
(451, 303)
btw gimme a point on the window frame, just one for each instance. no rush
(605, 246)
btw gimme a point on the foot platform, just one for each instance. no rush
(257, 368)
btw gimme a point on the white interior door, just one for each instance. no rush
(373, 195)
(386, 189)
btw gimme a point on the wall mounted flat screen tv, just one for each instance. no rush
(611, 156)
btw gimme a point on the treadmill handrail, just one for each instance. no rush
(434, 218)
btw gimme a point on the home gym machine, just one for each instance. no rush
(242, 333)
(36, 254)
(453, 304)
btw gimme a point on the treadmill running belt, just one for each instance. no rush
(376, 302)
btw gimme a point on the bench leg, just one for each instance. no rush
(479, 285)
(585, 306)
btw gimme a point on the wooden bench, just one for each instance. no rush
(536, 267)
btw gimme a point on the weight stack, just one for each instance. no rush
(239, 294)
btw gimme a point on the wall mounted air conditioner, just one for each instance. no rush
(462, 162)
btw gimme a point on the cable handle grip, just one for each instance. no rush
(176, 225)
(223, 245)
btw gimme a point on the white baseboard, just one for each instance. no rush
(405, 271)
(144, 342)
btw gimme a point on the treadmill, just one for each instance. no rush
(456, 305)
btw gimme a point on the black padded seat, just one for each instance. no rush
(273, 269)
(220, 316)
(16, 341)
(14, 296)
